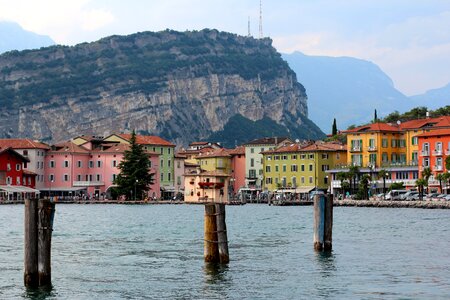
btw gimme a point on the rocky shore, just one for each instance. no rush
(394, 204)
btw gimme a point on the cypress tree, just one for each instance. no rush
(334, 129)
(134, 177)
(375, 117)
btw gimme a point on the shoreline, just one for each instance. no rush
(424, 204)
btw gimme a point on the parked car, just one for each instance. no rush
(430, 196)
(407, 194)
(447, 197)
(395, 194)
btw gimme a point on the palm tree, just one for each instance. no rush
(342, 176)
(440, 177)
(353, 172)
(420, 183)
(364, 184)
(446, 178)
(383, 174)
(426, 174)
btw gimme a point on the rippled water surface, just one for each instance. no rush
(156, 251)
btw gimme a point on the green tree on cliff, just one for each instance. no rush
(134, 177)
(334, 128)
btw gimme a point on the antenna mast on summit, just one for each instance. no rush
(260, 20)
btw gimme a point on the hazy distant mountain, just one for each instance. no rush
(345, 88)
(14, 37)
(433, 98)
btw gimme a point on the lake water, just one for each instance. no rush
(156, 252)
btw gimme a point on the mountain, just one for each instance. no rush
(345, 88)
(433, 98)
(14, 37)
(183, 86)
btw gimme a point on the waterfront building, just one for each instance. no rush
(434, 150)
(179, 170)
(16, 183)
(301, 168)
(166, 152)
(237, 179)
(34, 151)
(254, 159)
(205, 186)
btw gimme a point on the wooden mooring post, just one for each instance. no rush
(323, 222)
(30, 276)
(38, 221)
(46, 211)
(216, 240)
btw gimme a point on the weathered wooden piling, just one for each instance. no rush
(323, 222)
(211, 251)
(222, 237)
(46, 211)
(31, 277)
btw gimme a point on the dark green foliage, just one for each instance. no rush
(134, 178)
(396, 186)
(375, 117)
(239, 130)
(334, 128)
(416, 113)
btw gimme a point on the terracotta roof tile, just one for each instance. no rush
(147, 139)
(214, 153)
(22, 144)
(436, 132)
(383, 127)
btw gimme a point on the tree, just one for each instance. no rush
(447, 163)
(440, 177)
(134, 177)
(334, 128)
(363, 192)
(375, 117)
(446, 179)
(396, 186)
(343, 176)
(426, 174)
(353, 173)
(420, 183)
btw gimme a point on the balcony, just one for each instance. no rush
(425, 153)
(355, 149)
(372, 148)
(87, 183)
(447, 152)
(438, 168)
(437, 152)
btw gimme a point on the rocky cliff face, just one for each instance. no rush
(182, 86)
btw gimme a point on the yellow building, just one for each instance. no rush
(301, 167)
(217, 159)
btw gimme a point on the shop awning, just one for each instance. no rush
(17, 189)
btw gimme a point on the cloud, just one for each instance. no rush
(95, 19)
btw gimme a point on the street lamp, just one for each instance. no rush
(135, 189)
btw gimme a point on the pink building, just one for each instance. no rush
(237, 168)
(89, 169)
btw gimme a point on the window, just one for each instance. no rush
(310, 167)
(8, 180)
(79, 164)
(168, 150)
(325, 180)
(78, 177)
(260, 172)
(294, 181)
(161, 163)
(269, 180)
(169, 163)
(402, 143)
(311, 156)
(252, 162)
(384, 143)
(324, 155)
(415, 140)
(252, 173)
(51, 178)
(252, 150)
(169, 176)
(394, 143)
(372, 158)
(425, 148)
(267, 168)
(310, 179)
(161, 150)
(276, 168)
(17, 167)
(371, 144)
(18, 180)
(384, 157)
(99, 163)
(114, 176)
(393, 157)
(178, 180)
(52, 164)
(269, 157)
(415, 175)
(91, 164)
(303, 180)
(303, 156)
(24, 181)
(284, 168)
(303, 168)
(65, 177)
(66, 164)
(283, 182)
(99, 177)
(25, 152)
(439, 162)
(162, 177)
(439, 148)
(414, 156)
(325, 167)
(114, 163)
(284, 157)
(426, 162)
(294, 156)
(294, 168)
(276, 157)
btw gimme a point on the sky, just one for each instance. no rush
(408, 39)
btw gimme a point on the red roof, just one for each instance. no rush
(22, 144)
(436, 132)
(147, 139)
(310, 147)
(13, 152)
(69, 147)
(383, 127)
(437, 122)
